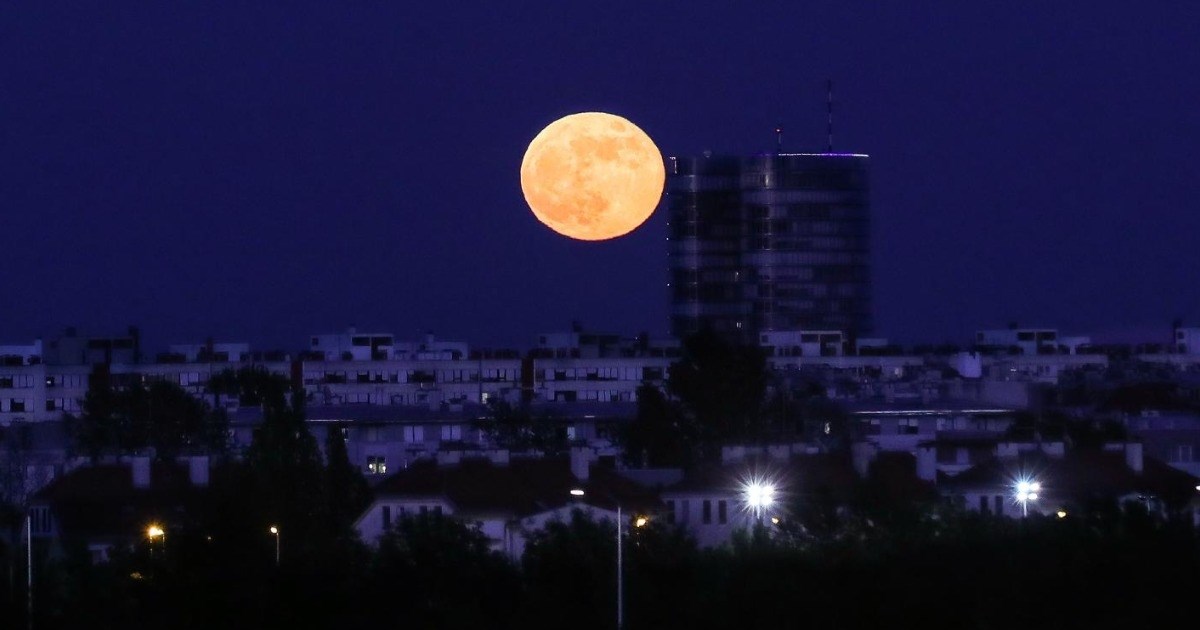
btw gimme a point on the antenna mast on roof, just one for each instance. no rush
(829, 109)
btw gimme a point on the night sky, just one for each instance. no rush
(261, 174)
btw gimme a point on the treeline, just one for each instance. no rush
(957, 571)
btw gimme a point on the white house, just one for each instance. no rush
(506, 498)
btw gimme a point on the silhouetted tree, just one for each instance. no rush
(346, 488)
(438, 572)
(517, 428)
(161, 417)
(659, 435)
(722, 387)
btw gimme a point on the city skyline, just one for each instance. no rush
(263, 175)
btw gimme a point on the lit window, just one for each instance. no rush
(376, 464)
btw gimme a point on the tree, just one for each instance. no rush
(281, 480)
(346, 489)
(658, 435)
(570, 574)
(161, 417)
(441, 573)
(722, 387)
(518, 429)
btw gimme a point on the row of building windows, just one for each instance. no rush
(413, 434)
(402, 511)
(15, 381)
(683, 514)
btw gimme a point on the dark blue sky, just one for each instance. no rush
(261, 174)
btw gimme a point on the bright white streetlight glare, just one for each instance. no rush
(576, 492)
(274, 530)
(1027, 491)
(760, 495)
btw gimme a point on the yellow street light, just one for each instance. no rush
(275, 531)
(156, 531)
(641, 521)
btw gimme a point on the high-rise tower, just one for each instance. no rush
(769, 242)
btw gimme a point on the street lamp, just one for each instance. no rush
(578, 492)
(759, 496)
(1027, 491)
(275, 530)
(156, 531)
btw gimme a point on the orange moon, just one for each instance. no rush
(592, 176)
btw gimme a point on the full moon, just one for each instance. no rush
(592, 176)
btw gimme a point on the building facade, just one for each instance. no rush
(769, 243)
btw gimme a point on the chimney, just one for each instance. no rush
(927, 463)
(581, 462)
(861, 454)
(1133, 456)
(198, 470)
(140, 464)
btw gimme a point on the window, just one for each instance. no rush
(413, 435)
(999, 503)
(671, 511)
(571, 434)
(683, 511)
(17, 404)
(1183, 454)
(376, 464)
(706, 512)
(40, 520)
(387, 516)
(983, 503)
(451, 432)
(722, 512)
(908, 426)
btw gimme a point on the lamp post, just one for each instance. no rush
(29, 569)
(578, 492)
(153, 532)
(275, 530)
(1027, 491)
(759, 496)
(156, 531)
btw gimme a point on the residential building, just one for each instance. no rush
(108, 505)
(506, 497)
(1073, 480)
